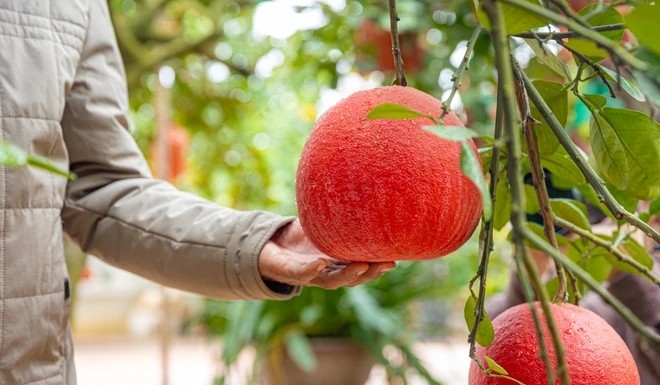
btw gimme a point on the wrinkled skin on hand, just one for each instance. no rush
(289, 257)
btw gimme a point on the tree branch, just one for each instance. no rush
(399, 76)
(585, 277)
(569, 34)
(458, 75)
(609, 247)
(594, 180)
(511, 128)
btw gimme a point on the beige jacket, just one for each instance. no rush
(63, 96)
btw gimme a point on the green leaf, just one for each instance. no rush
(494, 366)
(572, 211)
(397, 112)
(594, 102)
(626, 147)
(502, 212)
(556, 96)
(300, 350)
(564, 171)
(472, 169)
(369, 313)
(587, 47)
(516, 20)
(485, 332)
(643, 23)
(635, 251)
(549, 59)
(454, 133)
(627, 85)
(531, 202)
(609, 152)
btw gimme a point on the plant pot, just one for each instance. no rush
(339, 361)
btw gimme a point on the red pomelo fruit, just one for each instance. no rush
(594, 352)
(384, 189)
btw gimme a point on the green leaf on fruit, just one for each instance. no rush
(549, 59)
(627, 85)
(472, 169)
(494, 366)
(643, 22)
(452, 132)
(626, 149)
(485, 332)
(556, 97)
(397, 112)
(516, 20)
(13, 156)
(587, 47)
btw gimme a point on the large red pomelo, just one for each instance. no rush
(384, 190)
(594, 352)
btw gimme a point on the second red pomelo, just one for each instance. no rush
(384, 189)
(594, 352)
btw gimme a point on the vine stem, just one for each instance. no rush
(538, 177)
(612, 47)
(514, 174)
(458, 75)
(399, 76)
(486, 237)
(609, 247)
(594, 180)
(568, 34)
(585, 277)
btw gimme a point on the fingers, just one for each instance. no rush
(350, 274)
(375, 270)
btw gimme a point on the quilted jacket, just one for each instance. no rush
(63, 96)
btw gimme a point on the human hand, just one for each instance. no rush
(289, 257)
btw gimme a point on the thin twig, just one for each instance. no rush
(568, 34)
(585, 277)
(458, 75)
(590, 175)
(399, 76)
(594, 67)
(609, 247)
(486, 237)
(616, 51)
(511, 126)
(538, 176)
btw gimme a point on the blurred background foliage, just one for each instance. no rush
(247, 80)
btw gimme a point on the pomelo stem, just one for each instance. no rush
(458, 75)
(399, 76)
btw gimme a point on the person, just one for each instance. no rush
(63, 96)
(637, 293)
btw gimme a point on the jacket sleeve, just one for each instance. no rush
(116, 211)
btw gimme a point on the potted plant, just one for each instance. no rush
(292, 336)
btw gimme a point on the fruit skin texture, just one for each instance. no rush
(594, 352)
(383, 189)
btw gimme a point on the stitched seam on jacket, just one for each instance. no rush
(39, 39)
(43, 28)
(30, 118)
(43, 17)
(21, 297)
(108, 216)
